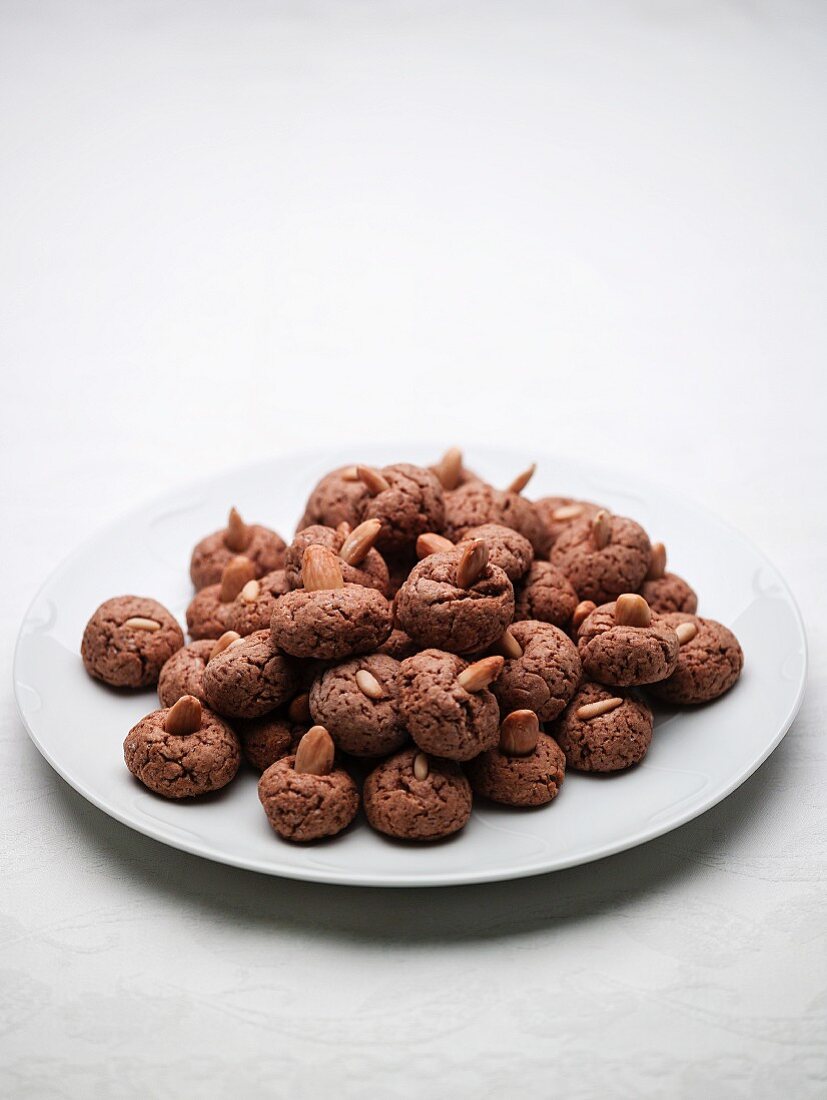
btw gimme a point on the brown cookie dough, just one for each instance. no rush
(335, 499)
(362, 564)
(507, 548)
(182, 751)
(603, 556)
(665, 592)
(709, 662)
(327, 618)
(603, 730)
(249, 678)
(526, 769)
(559, 513)
(399, 645)
(624, 645)
(414, 797)
(456, 601)
(446, 705)
(477, 503)
(268, 739)
(128, 640)
(407, 500)
(183, 673)
(263, 547)
(545, 595)
(209, 611)
(252, 609)
(358, 704)
(544, 677)
(304, 796)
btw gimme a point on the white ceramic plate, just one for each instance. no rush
(698, 756)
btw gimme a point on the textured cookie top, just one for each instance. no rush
(626, 655)
(507, 548)
(265, 549)
(411, 504)
(478, 503)
(530, 780)
(182, 766)
(358, 703)
(559, 513)
(183, 673)
(303, 807)
(545, 595)
(602, 572)
(401, 805)
(208, 616)
(127, 641)
(335, 499)
(269, 738)
(372, 572)
(249, 678)
(331, 624)
(669, 593)
(252, 609)
(544, 677)
(708, 664)
(604, 742)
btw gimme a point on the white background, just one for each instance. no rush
(229, 229)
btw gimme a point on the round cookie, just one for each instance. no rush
(398, 644)
(183, 751)
(446, 705)
(559, 513)
(263, 547)
(507, 548)
(456, 601)
(478, 503)
(304, 797)
(603, 557)
(359, 561)
(252, 609)
(328, 619)
(665, 592)
(335, 499)
(526, 769)
(358, 704)
(249, 678)
(128, 640)
(183, 673)
(413, 797)
(209, 611)
(622, 644)
(603, 730)
(269, 738)
(545, 675)
(709, 662)
(407, 500)
(545, 595)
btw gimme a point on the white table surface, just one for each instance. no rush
(231, 228)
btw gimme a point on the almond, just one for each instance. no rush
(238, 535)
(373, 481)
(228, 638)
(508, 645)
(369, 685)
(449, 468)
(521, 480)
(299, 710)
(139, 623)
(343, 528)
(360, 541)
(632, 610)
(184, 716)
(315, 753)
(321, 569)
(432, 543)
(582, 612)
(594, 710)
(686, 632)
(519, 732)
(250, 592)
(350, 473)
(236, 573)
(481, 673)
(567, 512)
(421, 767)
(602, 529)
(472, 563)
(657, 563)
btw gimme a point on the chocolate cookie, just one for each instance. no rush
(545, 595)
(358, 703)
(456, 601)
(335, 499)
(128, 640)
(507, 548)
(209, 612)
(359, 561)
(709, 662)
(525, 769)
(327, 618)
(182, 751)
(603, 557)
(544, 676)
(559, 513)
(603, 730)
(263, 547)
(252, 609)
(445, 704)
(249, 678)
(304, 796)
(406, 499)
(413, 797)
(623, 644)
(269, 738)
(183, 673)
(478, 503)
(665, 592)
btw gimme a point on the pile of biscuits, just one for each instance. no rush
(425, 638)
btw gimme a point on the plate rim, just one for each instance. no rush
(333, 876)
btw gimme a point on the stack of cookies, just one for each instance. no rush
(426, 638)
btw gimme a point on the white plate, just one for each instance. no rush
(698, 756)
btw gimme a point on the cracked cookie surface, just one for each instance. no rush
(183, 673)
(265, 550)
(246, 615)
(411, 505)
(531, 780)
(372, 572)
(545, 677)
(708, 664)
(182, 766)
(303, 807)
(609, 742)
(625, 656)
(400, 805)
(602, 574)
(249, 678)
(669, 593)
(331, 624)
(358, 724)
(123, 655)
(546, 595)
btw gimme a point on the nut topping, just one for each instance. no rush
(521, 480)
(472, 562)
(139, 623)
(350, 473)
(657, 563)
(369, 685)
(508, 645)
(360, 541)
(519, 732)
(321, 569)
(228, 638)
(236, 573)
(566, 512)
(421, 768)
(315, 753)
(184, 716)
(432, 543)
(632, 610)
(686, 632)
(374, 482)
(602, 529)
(449, 468)
(596, 709)
(481, 673)
(582, 612)
(299, 710)
(250, 592)
(238, 535)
